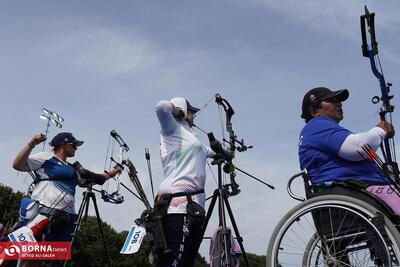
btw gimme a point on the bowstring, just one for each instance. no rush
(111, 143)
(392, 141)
(121, 153)
(380, 65)
(107, 151)
(194, 116)
(204, 106)
(221, 120)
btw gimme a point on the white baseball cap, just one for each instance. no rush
(184, 105)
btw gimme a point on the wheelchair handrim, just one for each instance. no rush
(341, 203)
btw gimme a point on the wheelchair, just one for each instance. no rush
(338, 224)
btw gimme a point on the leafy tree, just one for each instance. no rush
(254, 260)
(88, 247)
(9, 205)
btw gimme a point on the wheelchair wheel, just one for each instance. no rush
(334, 230)
(314, 256)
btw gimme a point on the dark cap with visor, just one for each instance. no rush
(64, 138)
(191, 108)
(316, 95)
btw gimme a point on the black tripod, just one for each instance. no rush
(221, 194)
(83, 213)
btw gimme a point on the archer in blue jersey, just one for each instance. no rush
(330, 152)
(55, 181)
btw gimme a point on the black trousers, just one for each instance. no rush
(184, 238)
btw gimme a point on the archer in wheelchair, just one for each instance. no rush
(330, 152)
(351, 216)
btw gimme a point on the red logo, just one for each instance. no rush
(35, 251)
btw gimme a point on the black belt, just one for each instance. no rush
(44, 210)
(185, 194)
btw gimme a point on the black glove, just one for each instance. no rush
(178, 113)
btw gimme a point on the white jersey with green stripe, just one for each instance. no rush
(183, 158)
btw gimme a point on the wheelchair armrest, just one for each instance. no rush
(303, 174)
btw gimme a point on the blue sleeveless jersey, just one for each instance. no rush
(57, 181)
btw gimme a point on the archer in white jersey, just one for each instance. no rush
(182, 155)
(184, 160)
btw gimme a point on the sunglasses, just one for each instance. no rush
(74, 145)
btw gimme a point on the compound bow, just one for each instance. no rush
(115, 197)
(229, 166)
(234, 145)
(370, 50)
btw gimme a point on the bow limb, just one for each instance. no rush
(204, 106)
(229, 166)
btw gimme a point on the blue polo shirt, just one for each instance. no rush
(320, 141)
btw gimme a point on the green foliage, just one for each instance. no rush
(254, 260)
(9, 205)
(88, 249)
(200, 261)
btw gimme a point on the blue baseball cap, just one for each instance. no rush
(64, 138)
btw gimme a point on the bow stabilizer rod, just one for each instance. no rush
(147, 156)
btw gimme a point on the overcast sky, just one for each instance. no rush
(104, 65)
